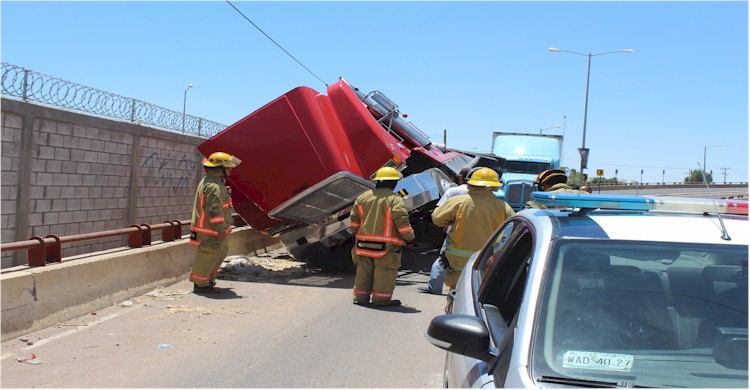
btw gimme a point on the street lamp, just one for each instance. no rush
(547, 128)
(704, 158)
(184, 106)
(583, 151)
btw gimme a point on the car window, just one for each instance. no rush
(494, 250)
(504, 284)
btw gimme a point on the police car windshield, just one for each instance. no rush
(648, 313)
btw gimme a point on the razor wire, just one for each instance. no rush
(37, 87)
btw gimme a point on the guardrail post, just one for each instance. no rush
(36, 255)
(53, 254)
(146, 234)
(167, 234)
(177, 229)
(135, 239)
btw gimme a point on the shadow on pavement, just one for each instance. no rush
(415, 261)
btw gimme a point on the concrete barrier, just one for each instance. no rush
(34, 298)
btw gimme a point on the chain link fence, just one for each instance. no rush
(37, 87)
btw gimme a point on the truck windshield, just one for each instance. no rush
(530, 167)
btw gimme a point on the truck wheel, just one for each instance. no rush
(337, 258)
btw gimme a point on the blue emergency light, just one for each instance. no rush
(640, 203)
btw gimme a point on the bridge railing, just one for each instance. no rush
(42, 251)
(29, 85)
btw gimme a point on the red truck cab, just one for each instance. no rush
(306, 157)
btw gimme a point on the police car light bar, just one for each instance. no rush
(642, 203)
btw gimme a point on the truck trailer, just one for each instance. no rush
(307, 156)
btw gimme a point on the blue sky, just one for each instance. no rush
(470, 68)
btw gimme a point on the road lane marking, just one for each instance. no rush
(73, 331)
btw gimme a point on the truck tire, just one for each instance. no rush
(338, 258)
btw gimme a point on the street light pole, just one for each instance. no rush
(583, 151)
(704, 158)
(184, 106)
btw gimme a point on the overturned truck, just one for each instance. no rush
(307, 156)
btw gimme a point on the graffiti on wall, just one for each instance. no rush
(172, 172)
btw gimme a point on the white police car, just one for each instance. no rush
(650, 293)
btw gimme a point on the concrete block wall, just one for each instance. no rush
(66, 173)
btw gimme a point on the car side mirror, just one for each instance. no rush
(462, 334)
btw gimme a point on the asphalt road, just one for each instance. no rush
(298, 331)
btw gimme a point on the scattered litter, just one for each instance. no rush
(30, 360)
(162, 346)
(185, 309)
(161, 292)
(127, 303)
(93, 313)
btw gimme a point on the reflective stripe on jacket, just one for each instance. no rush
(472, 219)
(381, 223)
(212, 210)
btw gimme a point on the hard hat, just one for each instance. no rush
(545, 176)
(484, 177)
(221, 159)
(388, 173)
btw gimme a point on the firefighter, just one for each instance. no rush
(211, 221)
(552, 180)
(382, 227)
(472, 219)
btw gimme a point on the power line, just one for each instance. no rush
(272, 40)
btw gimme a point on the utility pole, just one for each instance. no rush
(724, 172)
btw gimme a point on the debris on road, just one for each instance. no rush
(161, 292)
(275, 263)
(29, 360)
(162, 346)
(185, 309)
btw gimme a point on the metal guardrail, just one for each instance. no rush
(37, 87)
(49, 249)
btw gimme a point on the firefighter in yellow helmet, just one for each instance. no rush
(382, 227)
(472, 219)
(552, 180)
(211, 221)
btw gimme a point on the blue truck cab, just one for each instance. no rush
(526, 155)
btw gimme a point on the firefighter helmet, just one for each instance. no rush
(547, 176)
(388, 173)
(484, 177)
(221, 159)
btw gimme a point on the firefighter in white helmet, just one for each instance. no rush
(472, 219)
(211, 221)
(382, 227)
